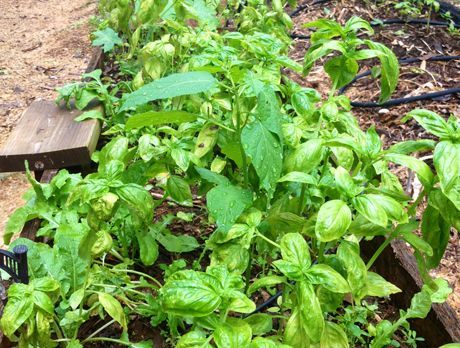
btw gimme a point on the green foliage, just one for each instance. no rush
(291, 186)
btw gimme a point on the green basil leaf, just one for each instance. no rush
(191, 297)
(178, 244)
(299, 177)
(290, 270)
(207, 138)
(389, 69)
(260, 323)
(333, 336)
(294, 249)
(179, 190)
(420, 304)
(113, 308)
(138, 200)
(242, 304)
(378, 286)
(310, 311)
(261, 342)
(369, 206)
(345, 182)
(355, 267)
(327, 277)
(341, 70)
(232, 255)
(431, 121)
(446, 159)
(264, 282)
(193, 339)
(360, 226)
(334, 218)
(411, 146)
(295, 333)
(435, 232)
(418, 243)
(235, 333)
(305, 157)
(148, 247)
(421, 168)
(17, 310)
(45, 284)
(43, 301)
(212, 177)
(76, 298)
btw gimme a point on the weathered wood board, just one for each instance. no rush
(48, 138)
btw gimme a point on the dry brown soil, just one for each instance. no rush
(43, 45)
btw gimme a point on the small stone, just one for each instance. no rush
(384, 111)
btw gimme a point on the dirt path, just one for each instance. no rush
(43, 45)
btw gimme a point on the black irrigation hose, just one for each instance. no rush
(377, 23)
(303, 7)
(399, 101)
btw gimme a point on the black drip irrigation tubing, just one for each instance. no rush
(376, 23)
(399, 101)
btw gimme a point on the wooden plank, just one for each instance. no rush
(397, 264)
(48, 137)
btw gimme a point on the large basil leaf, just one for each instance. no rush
(260, 323)
(235, 333)
(327, 277)
(310, 311)
(305, 157)
(295, 333)
(138, 200)
(378, 286)
(148, 247)
(421, 168)
(179, 190)
(334, 218)
(333, 336)
(265, 281)
(294, 250)
(193, 339)
(189, 297)
(446, 159)
(18, 309)
(170, 86)
(369, 207)
(389, 69)
(436, 232)
(356, 269)
(342, 70)
(232, 255)
(226, 203)
(431, 121)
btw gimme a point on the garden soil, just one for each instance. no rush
(44, 44)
